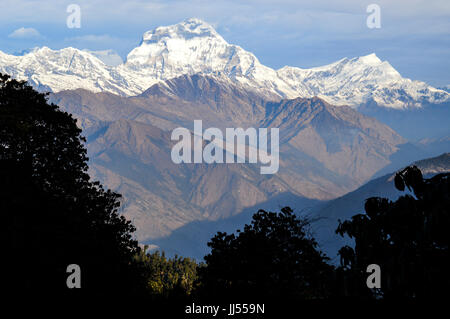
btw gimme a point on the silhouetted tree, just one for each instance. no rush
(271, 258)
(407, 238)
(52, 214)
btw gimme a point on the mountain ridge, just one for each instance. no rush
(194, 47)
(325, 150)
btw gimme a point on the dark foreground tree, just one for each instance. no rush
(271, 258)
(52, 214)
(407, 238)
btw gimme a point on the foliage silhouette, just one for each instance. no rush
(407, 238)
(271, 258)
(53, 215)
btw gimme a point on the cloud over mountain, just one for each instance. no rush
(24, 33)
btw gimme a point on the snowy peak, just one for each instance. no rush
(190, 28)
(373, 65)
(194, 47)
(369, 65)
(178, 40)
(370, 59)
(189, 39)
(360, 80)
(58, 70)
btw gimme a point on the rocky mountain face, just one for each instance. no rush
(194, 47)
(325, 150)
(343, 140)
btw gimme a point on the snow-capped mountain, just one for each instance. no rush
(64, 69)
(193, 46)
(359, 80)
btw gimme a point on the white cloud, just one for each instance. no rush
(25, 33)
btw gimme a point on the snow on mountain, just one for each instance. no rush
(359, 80)
(66, 69)
(193, 46)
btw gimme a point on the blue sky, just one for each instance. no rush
(414, 35)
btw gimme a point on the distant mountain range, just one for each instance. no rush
(193, 47)
(325, 150)
(338, 127)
